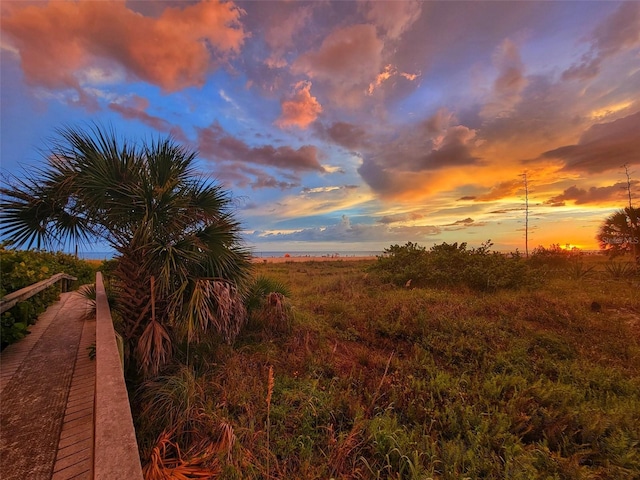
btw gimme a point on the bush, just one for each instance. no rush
(21, 268)
(453, 265)
(555, 256)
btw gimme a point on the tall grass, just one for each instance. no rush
(394, 382)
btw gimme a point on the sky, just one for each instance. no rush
(351, 125)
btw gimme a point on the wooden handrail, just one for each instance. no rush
(10, 300)
(116, 454)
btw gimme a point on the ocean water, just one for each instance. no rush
(316, 253)
(96, 255)
(106, 255)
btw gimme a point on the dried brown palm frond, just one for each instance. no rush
(211, 305)
(166, 460)
(231, 313)
(154, 348)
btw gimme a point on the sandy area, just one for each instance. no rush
(308, 259)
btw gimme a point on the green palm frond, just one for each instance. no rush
(165, 220)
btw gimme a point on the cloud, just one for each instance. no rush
(619, 31)
(386, 74)
(509, 188)
(581, 196)
(466, 221)
(602, 147)
(401, 218)
(463, 224)
(215, 143)
(329, 188)
(59, 41)
(348, 59)
(135, 109)
(404, 165)
(242, 176)
(394, 18)
(510, 82)
(345, 232)
(301, 109)
(281, 34)
(347, 135)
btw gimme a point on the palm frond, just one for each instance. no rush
(154, 348)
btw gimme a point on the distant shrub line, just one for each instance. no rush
(481, 269)
(448, 265)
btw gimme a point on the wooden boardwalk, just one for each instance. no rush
(47, 386)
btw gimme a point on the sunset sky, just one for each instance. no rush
(351, 125)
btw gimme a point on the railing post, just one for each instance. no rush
(116, 454)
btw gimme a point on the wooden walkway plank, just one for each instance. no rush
(46, 389)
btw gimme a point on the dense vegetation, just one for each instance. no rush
(182, 268)
(375, 380)
(21, 268)
(454, 265)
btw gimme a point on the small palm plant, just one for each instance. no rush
(267, 305)
(165, 221)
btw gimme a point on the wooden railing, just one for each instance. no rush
(115, 450)
(10, 300)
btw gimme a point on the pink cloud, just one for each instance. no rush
(394, 17)
(349, 59)
(280, 36)
(136, 108)
(175, 50)
(301, 109)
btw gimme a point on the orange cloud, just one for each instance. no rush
(506, 189)
(388, 72)
(611, 194)
(58, 40)
(602, 147)
(301, 109)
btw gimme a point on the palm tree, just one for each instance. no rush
(620, 233)
(182, 268)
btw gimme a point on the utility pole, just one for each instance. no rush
(633, 218)
(626, 171)
(526, 215)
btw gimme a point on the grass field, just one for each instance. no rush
(371, 380)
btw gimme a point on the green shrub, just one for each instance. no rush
(447, 265)
(619, 270)
(21, 268)
(555, 256)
